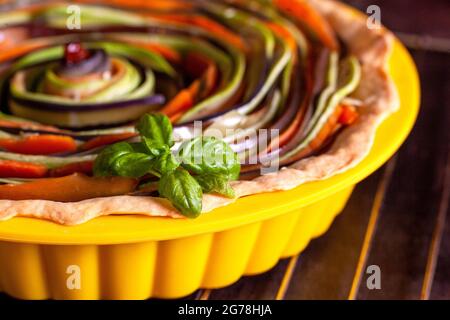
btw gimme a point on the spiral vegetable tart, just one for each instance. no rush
(102, 117)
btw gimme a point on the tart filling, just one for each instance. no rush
(104, 119)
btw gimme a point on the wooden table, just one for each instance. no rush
(395, 219)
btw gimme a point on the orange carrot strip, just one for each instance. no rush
(182, 101)
(167, 52)
(209, 80)
(290, 131)
(11, 37)
(175, 117)
(348, 115)
(20, 49)
(75, 187)
(198, 66)
(19, 169)
(328, 129)
(68, 169)
(105, 140)
(305, 13)
(207, 24)
(287, 134)
(27, 125)
(325, 132)
(39, 144)
(286, 35)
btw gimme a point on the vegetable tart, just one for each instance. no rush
(173, 108)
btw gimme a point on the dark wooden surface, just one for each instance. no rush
(396, 218)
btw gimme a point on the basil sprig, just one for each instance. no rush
(156, 128)
(183, 191)
(218, 183)
(203, 164)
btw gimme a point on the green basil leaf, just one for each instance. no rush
(183, 191)
(133, 165)
(104, 163)
(234, 172)
(139, 147)
(165, 163)
(153, 147)
(215, 183)
(156, 127)
(204, 155)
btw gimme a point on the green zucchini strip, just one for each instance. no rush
(49, 161)
(349, 83)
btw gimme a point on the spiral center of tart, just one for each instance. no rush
(80, 85)
(79, 62)
(74, 52)
(81, 73)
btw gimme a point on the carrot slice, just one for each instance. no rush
(68, 169)
(325, 132)
(12, 36)
(165, 51)
(207, 24)
(286, 35)
(39, 144)
(348, 115)
(287, 134)
(75, 187)
(105, 140)
(21, 49)
(198, 66)
(175, 117)
(316, 23)
(182, 101)
(19, 169)
(27, 125)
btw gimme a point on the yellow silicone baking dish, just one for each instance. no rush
(136, 257)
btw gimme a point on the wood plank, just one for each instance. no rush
(411, 207)
(264, 286)
(441, 284)
(437, 277)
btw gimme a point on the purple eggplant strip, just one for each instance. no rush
(156, 99)
(97, 62)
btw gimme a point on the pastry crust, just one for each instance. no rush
(371, 46)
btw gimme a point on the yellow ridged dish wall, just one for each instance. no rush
(165, 269)
(136, 257)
